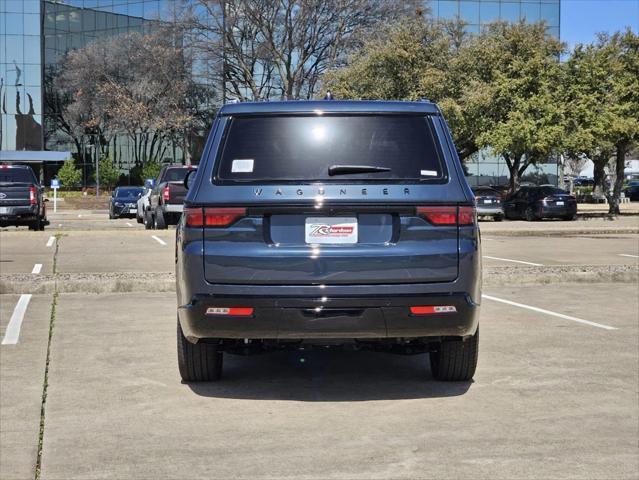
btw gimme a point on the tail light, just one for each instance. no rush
(430, 309)
(33, 200)
(166, 194)
(448, 215)
(230, 311)
(213, 217)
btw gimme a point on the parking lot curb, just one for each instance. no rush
(165, 281)
(561, 233)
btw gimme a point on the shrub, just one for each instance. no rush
(69, 175)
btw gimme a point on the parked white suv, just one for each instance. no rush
(143, 205)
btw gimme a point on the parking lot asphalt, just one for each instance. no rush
(556, 393)
(22, 366)
(127, 251)
(577, 250)
(26, 252)
(552, 398)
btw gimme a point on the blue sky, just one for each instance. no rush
(582, 19)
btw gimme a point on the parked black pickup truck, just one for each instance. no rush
(21, 198)
(167, 197)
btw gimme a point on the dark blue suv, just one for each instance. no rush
(328, 223)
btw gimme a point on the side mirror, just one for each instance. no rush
(188, 178)
(46, 199)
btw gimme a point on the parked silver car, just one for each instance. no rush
(489, 203)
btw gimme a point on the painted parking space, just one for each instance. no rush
(21, 251)
(574, 250)
(121, 251)
(542, 381)
(21, 377)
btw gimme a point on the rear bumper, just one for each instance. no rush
(173, 207)
(125, 211)
(18, 214)
(324, 317)
(489, 211)
(547, 211)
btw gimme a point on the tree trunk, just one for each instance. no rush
(513, 165)
(599, 174)
(620, 164)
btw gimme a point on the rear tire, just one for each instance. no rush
(159, 221)
(37, 225)
(148, 220)
(569, 218)
(199, 362)
(456, 360)
(530, 215)
(498, 218)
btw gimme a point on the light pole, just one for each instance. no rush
(97, 165)
(95, 139)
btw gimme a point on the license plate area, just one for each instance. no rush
(559, 204)
(330, 230)
(4, 210)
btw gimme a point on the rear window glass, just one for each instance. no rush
(175, 174)
(17, 175)
(552, 191)
(304, 148)
(128, 192)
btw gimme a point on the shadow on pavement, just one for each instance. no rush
(328, 376)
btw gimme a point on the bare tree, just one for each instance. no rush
(139, 85)
(575, 164)
(264, 49)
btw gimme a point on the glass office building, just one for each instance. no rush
(480, 12)
(484, 168)
(20, 75)
(36, 34)
(72, 24)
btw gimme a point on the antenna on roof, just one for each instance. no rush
(329, 95)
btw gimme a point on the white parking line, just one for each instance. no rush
(548, 312)
(36, 268)
(627, 255)
(159, 240)
(15, 322)
(514, 261)
(50, 241)
(128, 224)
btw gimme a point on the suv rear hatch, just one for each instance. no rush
(331, 200)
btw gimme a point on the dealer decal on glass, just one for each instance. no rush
(331, 230)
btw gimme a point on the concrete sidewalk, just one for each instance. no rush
(581, 226)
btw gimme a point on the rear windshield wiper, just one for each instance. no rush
(346, 169)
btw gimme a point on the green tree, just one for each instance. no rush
(109, 173)
(69, 175)
(150, 170)
(518, 70)
(497, 90)
(601, 92)
(411, 60)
